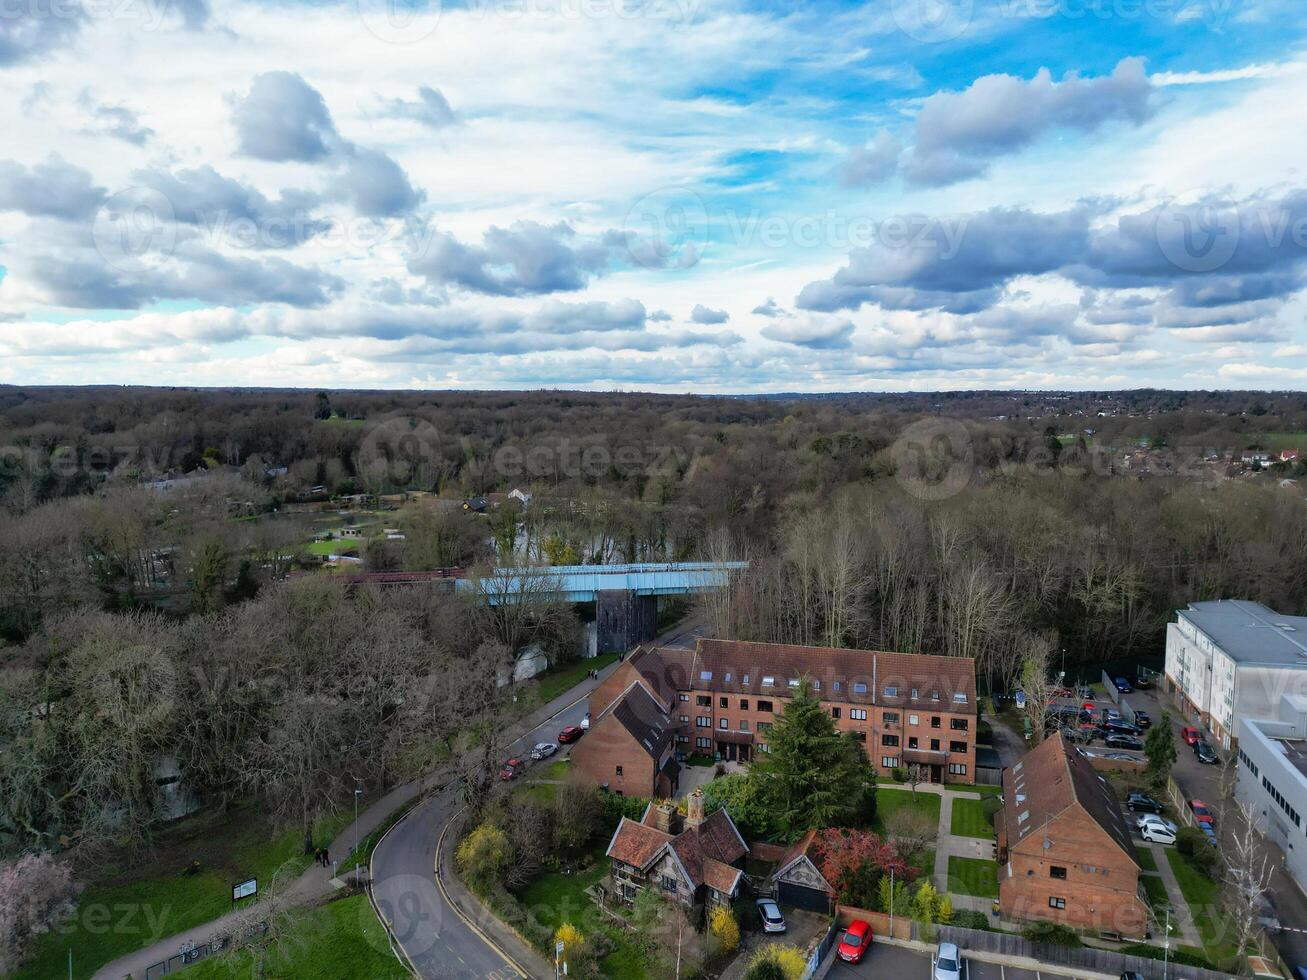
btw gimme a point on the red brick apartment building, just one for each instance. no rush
(722, 697)
(1064, 850)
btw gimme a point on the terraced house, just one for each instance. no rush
(722, 698)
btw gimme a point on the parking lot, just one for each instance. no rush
(883, 960)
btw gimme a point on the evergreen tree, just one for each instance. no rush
(1159, 747)
(812, 776)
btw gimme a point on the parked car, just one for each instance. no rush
(1123, 742)
(1156, 833)
(585, 722)
(1142, 720)
(1089, 706)
(1123, 728)
(1111, 715)
(543, 750)
(1209, 832)
(1143, 803)
(571, 733)
(1132, 975)
(1122, 685)
(856, 941)
(769, 913)
(512, 769)
(948, 963)
(1200, 811)
(1206, 754)
(1143, 683)
(1190, 735)
(1084, 692)
(1153, 818)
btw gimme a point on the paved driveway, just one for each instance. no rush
(883, 960)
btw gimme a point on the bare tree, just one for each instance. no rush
(1247, 875)
(1035, 682)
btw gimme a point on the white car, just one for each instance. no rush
(1155, 820)
(544, 750)
(948, 963)
(585, 722)
(1156, 833)
(770, 914)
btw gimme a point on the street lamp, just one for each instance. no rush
(1166, 942)
(357, 793)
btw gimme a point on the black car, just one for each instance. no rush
(1142, 720)
(1143, 803)
(1206, 754)
(1123, 742)
(1131, 975)
(1122, 728)
(1143, 682)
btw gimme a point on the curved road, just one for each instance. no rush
(438, 942)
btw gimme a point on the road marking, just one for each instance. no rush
(435, 867)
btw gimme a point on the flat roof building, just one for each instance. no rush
(1232, 658)
(1273, 779)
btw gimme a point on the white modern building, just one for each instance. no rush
(1273, 779)
(1231, 658)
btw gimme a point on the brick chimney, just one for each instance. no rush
(667, 819)
(694, 808)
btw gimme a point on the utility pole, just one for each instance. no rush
(1166, 943)
(891, 902)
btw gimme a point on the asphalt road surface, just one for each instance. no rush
(435, 938)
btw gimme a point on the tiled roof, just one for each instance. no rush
(1051, 778)
(665, 669)
(721, 877)
(723, 838)
(857, 676)
(636, 844)
(645, 719)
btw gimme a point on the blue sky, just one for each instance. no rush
(681, 195)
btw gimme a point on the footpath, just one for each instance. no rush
(316, 883)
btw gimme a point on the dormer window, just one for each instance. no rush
(891, 692)
(705, 675)
(859, 687)
(769, 682)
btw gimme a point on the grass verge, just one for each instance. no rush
(1147, 859)
(340, 939)
(562, 678)
(135, 904)
(1202, 895)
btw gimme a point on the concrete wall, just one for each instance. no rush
(624, 619)
(1261, 758)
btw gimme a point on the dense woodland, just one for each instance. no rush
(143, 623)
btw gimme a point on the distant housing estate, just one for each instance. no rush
(1232, 658)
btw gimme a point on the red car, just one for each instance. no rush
(570, 734)
(512, 769)
(856, 941)
(1201, 813)
(1089, 706)
(1190, 735)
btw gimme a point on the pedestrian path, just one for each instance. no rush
(317, 882)
(1179, 907)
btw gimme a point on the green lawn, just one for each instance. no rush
(1202, 895)
(562, 678)
(890, 801)
(1158, 899)
(337, 547)
(970, 820)
(340, 939)
(1147, 860)
(973, 876)
(556, 898)
(134, 904)
(984, 789)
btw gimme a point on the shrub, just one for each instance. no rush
(1177, 955)
(970, 919)
(483, 854)
(1052, 933)
(36, 894)
(576, 951)
(900, 774)
(612, 808)
(777, 962)
(724, 928)
(1193, 847)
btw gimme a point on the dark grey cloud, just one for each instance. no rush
(1206, 264)
(957, 134)
(812, 332)
(31, 29)
(704, 315)
(525, 258)
(239, 214)
(54, 189)
(374, 184)
(431, 109)
(117, 121)
(284, 118)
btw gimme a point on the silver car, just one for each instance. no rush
(1155, 820)
(544, 750)
(948, 963)
(770, 914)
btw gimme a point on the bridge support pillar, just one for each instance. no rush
(624, 619)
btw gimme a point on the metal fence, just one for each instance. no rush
(186, 956)
(819, 954)
(1082, 957)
